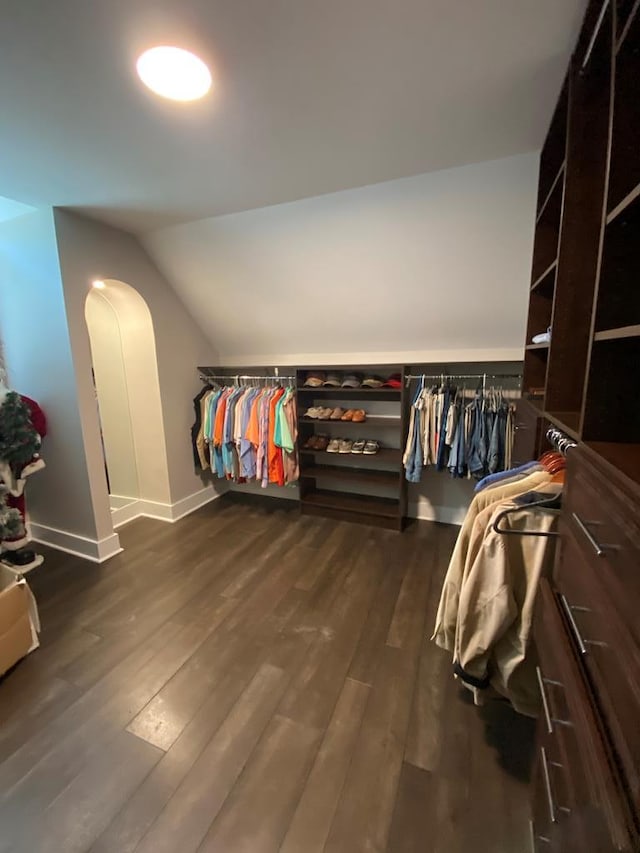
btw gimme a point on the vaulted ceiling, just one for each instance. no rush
(308, 98)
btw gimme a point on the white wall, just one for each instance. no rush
(141, 389)
(37, 350)
(90, 250)
(430, 268)
(112, 396)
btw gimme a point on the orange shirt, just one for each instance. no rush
(253, 428)
(276, 465)
(220, 412)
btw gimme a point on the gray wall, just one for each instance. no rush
(33, 328)
(90, 250)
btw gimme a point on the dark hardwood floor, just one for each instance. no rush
(246, 681)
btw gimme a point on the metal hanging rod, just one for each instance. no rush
(236, 377)
(560, 440)
(443, 376)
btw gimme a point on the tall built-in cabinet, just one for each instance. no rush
(585, 286)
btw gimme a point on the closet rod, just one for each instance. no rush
(237, 377)
(560, 440)
(442, 376)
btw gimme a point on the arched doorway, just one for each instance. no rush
(125, 375)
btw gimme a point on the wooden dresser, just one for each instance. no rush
(586, 287)
(587, 633)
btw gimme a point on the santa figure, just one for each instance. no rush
(22, 428)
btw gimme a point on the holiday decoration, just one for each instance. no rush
(19, 441)
(11, 526)
(22, 425)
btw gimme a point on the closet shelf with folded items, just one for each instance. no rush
(463, 424)
(351, 421)
(246, 428)
(505, 545)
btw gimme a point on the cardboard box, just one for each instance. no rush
(19, 621)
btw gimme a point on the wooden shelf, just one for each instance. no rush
(351, 392)
(569, 422)
(618, 334)
(372, 420)
(349, 474)
(623, 205)
(537, 346)
(550, 193)
(541, 278)
(348, 503)
(386, 455)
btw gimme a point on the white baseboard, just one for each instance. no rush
(123, 514)
(165, 512)
(426, 511)
(191, 503)
(80, 546)
(175, 511)
(100, 550)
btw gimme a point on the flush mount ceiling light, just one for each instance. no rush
(174, 73)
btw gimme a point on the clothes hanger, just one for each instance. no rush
(552, 503)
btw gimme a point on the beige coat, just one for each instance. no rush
(495, 610)
(469, 540)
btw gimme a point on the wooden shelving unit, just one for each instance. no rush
(586, 261)
(367, 488)
(354, 393)
(618, 334)
(371, 421)
(588, 376)
(385, 456)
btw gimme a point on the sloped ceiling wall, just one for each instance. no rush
(434, 267)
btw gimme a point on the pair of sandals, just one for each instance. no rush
(322, 413)
(345, 445)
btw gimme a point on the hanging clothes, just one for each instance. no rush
(486, 604)
(469, 439)
(245, 433)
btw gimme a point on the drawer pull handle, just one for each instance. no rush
(547, 784)
(545, 704)
(574, 627)
(597, 547)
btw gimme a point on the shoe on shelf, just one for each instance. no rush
(348, 415)
(345, 446)
(310, 443)
(334, 446)
(313, 412)
(332, 380)
(324, 414)
(321, 442)
(359, 416)
(358, 446)
(351, 380)
(372, 382)
(336, 414)
(315, 379)
(371, 448)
